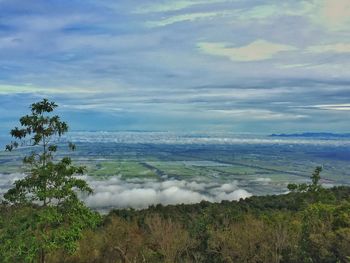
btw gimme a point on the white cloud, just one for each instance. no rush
(336, 48)
(336, 107)
(185, 17)
(301, 65)
(173, 6)
(6, 181)
(105, 108)
(227, 188)
(332, 14)
(118, 193)
(235, 195)
(28, 88)
(264, 180)
(255, 51)
(259, 114)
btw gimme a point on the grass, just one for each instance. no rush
(125, 169)
(179, 169)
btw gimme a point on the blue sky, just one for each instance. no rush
(200, 65)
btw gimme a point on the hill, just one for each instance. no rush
(295, 227)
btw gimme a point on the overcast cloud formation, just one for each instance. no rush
(226, 65)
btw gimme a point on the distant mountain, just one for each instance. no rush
(313, 135)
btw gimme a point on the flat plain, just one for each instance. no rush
(260, 168)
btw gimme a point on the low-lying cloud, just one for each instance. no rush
(141, 193)
(7, 180)
(118, 193)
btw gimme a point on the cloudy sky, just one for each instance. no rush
(187, 65)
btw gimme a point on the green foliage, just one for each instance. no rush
(294, 228)
(46, 182)
(313, 187)
(326, 233)
(28, 231)
(43, 212)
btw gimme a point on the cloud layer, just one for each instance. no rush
(178, 65)
(119, 193)
(255, 51)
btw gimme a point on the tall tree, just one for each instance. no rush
(315, 185)
(44, 212)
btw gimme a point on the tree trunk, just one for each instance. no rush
(42, 256)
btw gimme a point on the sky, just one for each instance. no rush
(257, 66)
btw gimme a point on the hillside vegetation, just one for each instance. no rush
(296, 227)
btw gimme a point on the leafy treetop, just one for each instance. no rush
(313, 187)
(47, 182)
